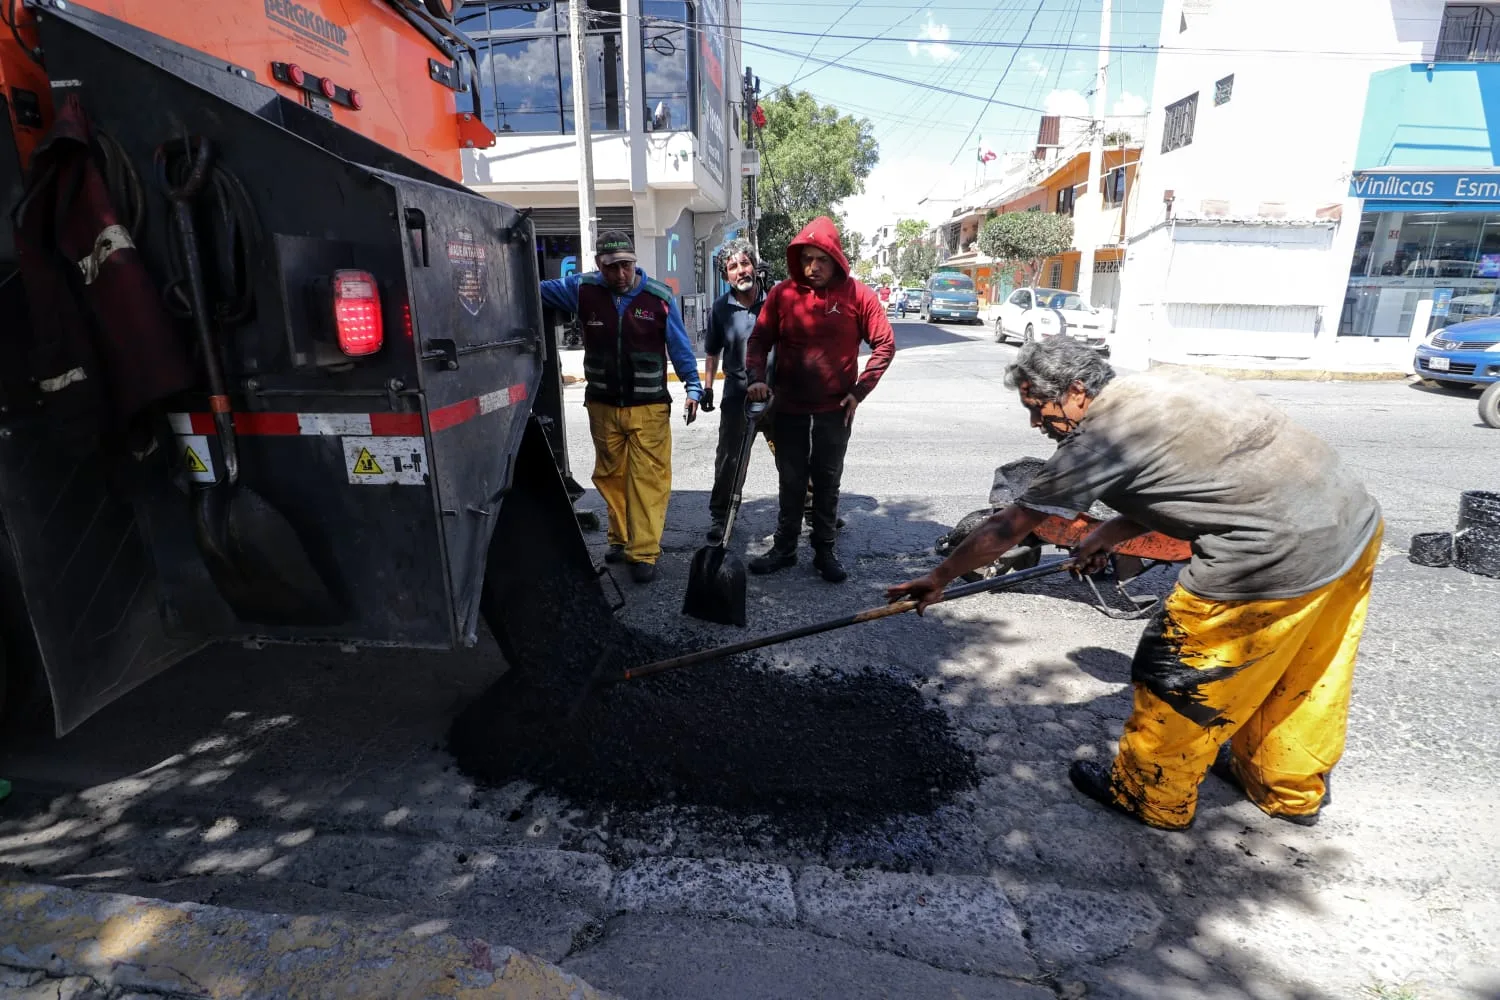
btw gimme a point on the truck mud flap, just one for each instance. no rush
(90, 589)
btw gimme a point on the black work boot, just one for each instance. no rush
(826, 562)
(615, 555)
(1095, 779)
(1223, 769)
(642, 572)
(772, 561)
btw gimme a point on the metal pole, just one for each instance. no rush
(1097, 173)
(751, 99)
(588, 224)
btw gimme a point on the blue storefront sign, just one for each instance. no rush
(1461, 188)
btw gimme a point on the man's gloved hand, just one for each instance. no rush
(706, 400)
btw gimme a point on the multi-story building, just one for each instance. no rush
(1320, 182)
(664, 82)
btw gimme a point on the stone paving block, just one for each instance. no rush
(754, 893)
(689, 958)
(962, 922)
(16, 978)
(1069, 926)
(144, 945)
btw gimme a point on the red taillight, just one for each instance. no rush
(356, 313)
(295, 75)
(327, 89)
(356, 101)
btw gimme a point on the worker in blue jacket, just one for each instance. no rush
(631, 326)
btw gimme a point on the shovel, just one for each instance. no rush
(601, 680)
(251, 551)
(716, 577)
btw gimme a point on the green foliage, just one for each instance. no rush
(1025, 239)
(863, 269)
(916, 263)
(910, 229)
(852, 243)
(812, 158)
(1120, 138)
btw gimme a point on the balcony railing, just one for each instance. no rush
(1470, 33)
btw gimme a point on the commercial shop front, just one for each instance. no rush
(1427, 253)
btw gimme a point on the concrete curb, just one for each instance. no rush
(1288, 374)
(194, 950)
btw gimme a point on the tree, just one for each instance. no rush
(853, 242)
(1120, 138)
(917, 262)
(864, 268)
(812, 158)
(910, 229)
(1025, 239)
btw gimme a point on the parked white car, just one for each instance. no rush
(1034, 313)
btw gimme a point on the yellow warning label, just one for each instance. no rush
(194, 463)
(366, 465)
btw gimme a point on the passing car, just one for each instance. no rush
(908, 300)
(950, 295)
(1037, 313)
(1462, 356)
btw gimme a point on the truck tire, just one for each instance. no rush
(1489, 406)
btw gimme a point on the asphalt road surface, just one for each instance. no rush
(303, 781)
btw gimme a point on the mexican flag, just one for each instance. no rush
(987, 152)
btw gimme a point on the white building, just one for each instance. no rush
(1244, 218)
(664, 86)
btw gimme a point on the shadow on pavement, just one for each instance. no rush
(244, 770)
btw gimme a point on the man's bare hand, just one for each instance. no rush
(758, 393)
(850, 404)
(925, 590)
(1092, 555)
(690, 411)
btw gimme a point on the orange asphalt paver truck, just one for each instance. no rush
(268, 370)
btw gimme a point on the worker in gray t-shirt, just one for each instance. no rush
(730, 322)
(1256, 643)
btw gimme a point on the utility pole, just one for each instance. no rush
(751, 98)
(1097, 173)
(588, 223)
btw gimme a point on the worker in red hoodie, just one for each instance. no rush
(815, 320)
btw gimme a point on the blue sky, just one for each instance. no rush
(921, 130)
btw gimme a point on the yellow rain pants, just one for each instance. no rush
(633, 473)
(1273, 675)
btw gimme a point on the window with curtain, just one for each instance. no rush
(667, 40)
(525, 64)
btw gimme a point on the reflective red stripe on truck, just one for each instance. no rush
(353, 424)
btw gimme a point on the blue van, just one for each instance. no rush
(950, 295)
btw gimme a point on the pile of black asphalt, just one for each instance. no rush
(735, 734)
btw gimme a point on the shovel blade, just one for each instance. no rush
(716, 587)
(258, 562)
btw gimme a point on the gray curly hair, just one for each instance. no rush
(1050, 366)
(732, 249)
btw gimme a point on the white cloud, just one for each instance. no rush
(1034, 66)
(894, 189)
(936, 48)
(1128, 104)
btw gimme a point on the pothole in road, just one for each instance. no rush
(830, 752)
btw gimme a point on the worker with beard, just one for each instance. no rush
(729, 324)
(815, 322)
(631, 327)
(1256, 643)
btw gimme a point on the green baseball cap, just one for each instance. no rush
(613, 246)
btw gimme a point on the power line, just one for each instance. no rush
(845, 13)
(1008, 66)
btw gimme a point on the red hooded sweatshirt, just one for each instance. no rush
(817, 331)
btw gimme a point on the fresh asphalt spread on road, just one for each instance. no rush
(311, 781)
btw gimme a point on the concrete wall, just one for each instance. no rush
(1275, 160)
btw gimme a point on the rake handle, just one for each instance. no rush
(869, 615)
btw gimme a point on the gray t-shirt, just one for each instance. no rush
(729, 328)
(1270, 510)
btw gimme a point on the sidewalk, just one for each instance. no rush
(58, 942)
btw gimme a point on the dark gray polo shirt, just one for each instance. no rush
(729, 327)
